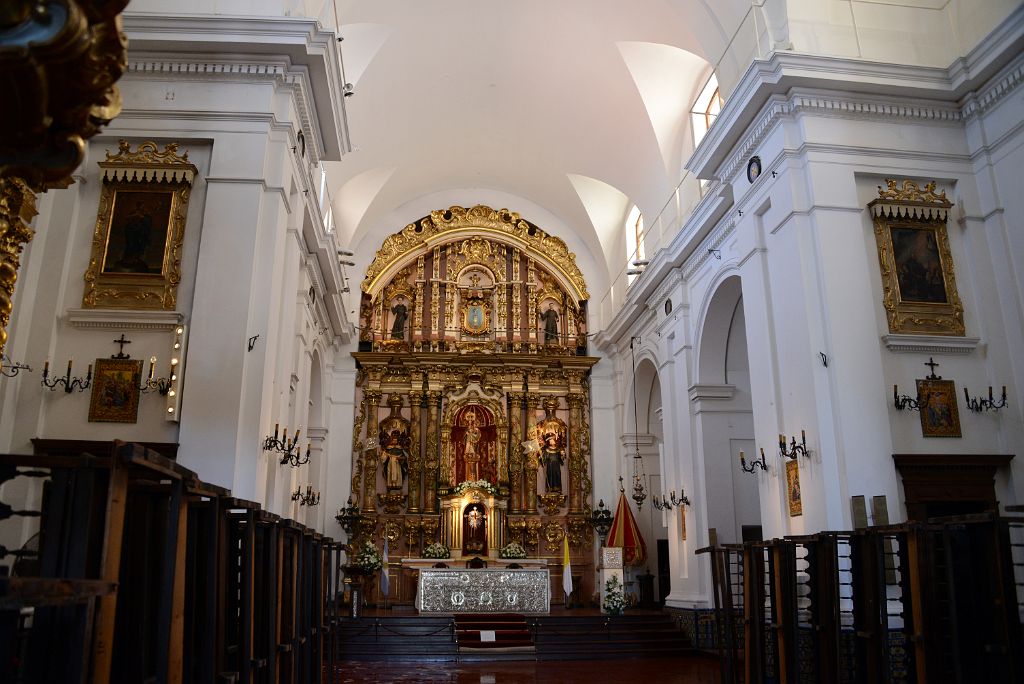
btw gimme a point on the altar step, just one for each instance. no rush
(553, 637)
(647, 635)
(490, 637)
(416, 638)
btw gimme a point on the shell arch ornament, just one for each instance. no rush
(449, 225)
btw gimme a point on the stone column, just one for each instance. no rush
(371, 457)
(515, 419)
(416, 401)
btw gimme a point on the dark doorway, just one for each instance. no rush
(664, 574)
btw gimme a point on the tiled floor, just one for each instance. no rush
(688, 670)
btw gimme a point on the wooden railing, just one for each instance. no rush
(931, 602)
(144, 573)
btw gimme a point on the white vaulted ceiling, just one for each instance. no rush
(566, 111)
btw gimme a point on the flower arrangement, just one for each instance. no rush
(614, 601)
(512, 550)
(477, 484)
(368, 558)
(437, 550)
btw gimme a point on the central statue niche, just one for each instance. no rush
(475, 438)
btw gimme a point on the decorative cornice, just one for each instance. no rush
(908, 93)
(930, 344)
(111, 319)
(700, 392)
(280, 72)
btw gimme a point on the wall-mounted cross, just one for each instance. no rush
(120, 352)
(931, 364)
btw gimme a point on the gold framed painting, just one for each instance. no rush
(793, 496)
(940, 416)
(682, 523)
(115, 391)
(140, 229)
(919, 290)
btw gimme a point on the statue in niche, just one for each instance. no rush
(400, 313)
(474, 529)
(394, 445)
(474, 438)
(551, 435)
(550, 319)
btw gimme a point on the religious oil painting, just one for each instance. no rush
(682, 523)
(137, 240)
(140, 229)
(919, 290)
(939, 414)
(115, 391)
(796, 505)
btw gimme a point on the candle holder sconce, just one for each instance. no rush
(978, 405)
(794, 449)
(759, 463)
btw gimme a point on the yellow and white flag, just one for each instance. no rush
(566, 569)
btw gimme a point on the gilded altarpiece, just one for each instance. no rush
(472, 420)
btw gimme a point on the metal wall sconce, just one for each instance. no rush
(990, 404)
(309, 498)
(9, 368)
(600, 520)
(161, 385)
(903, 401)
(794, 449)
(349, 517)
(291, 452)
(70, 383)
(668, 503)
(759, 463)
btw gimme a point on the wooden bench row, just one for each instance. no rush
(144, 573)
(930, 602)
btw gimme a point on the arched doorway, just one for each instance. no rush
(723, 418)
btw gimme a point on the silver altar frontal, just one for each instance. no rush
(443, 590)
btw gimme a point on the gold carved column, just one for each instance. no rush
(515, 414)
(17, 207)
(370, 456)
(532, 464)
(577, 452)
(416, 398)
(433, 451)
(358, 450)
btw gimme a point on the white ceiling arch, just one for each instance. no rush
(469, 99)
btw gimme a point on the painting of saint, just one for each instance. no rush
(918, 266)
(939, 414)
(138, 232)
(796, 505)
(115, 391)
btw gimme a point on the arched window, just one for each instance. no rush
(705, 109)
(635, 256)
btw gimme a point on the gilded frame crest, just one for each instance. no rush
(140, 228)
(919, 290)
(476, 316)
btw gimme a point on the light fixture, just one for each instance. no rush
(759, 463)
(639, 494)
(903, 401)
(309, 498)
(794, 449)
(348, 90)
(667, 503)
(601, 520)
(349, 517)
(10, 368)
(70, 383)
(979, 405)
(291, 452)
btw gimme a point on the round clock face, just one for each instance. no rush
(668, 306)
(753, 168)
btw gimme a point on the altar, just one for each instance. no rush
(483, 590)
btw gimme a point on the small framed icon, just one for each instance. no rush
(753, 169)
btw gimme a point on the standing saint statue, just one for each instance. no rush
(393, 446)
(472, 444)
(551, 434)
(550, 318)
(400, 313)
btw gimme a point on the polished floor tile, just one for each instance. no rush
(687, 670)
